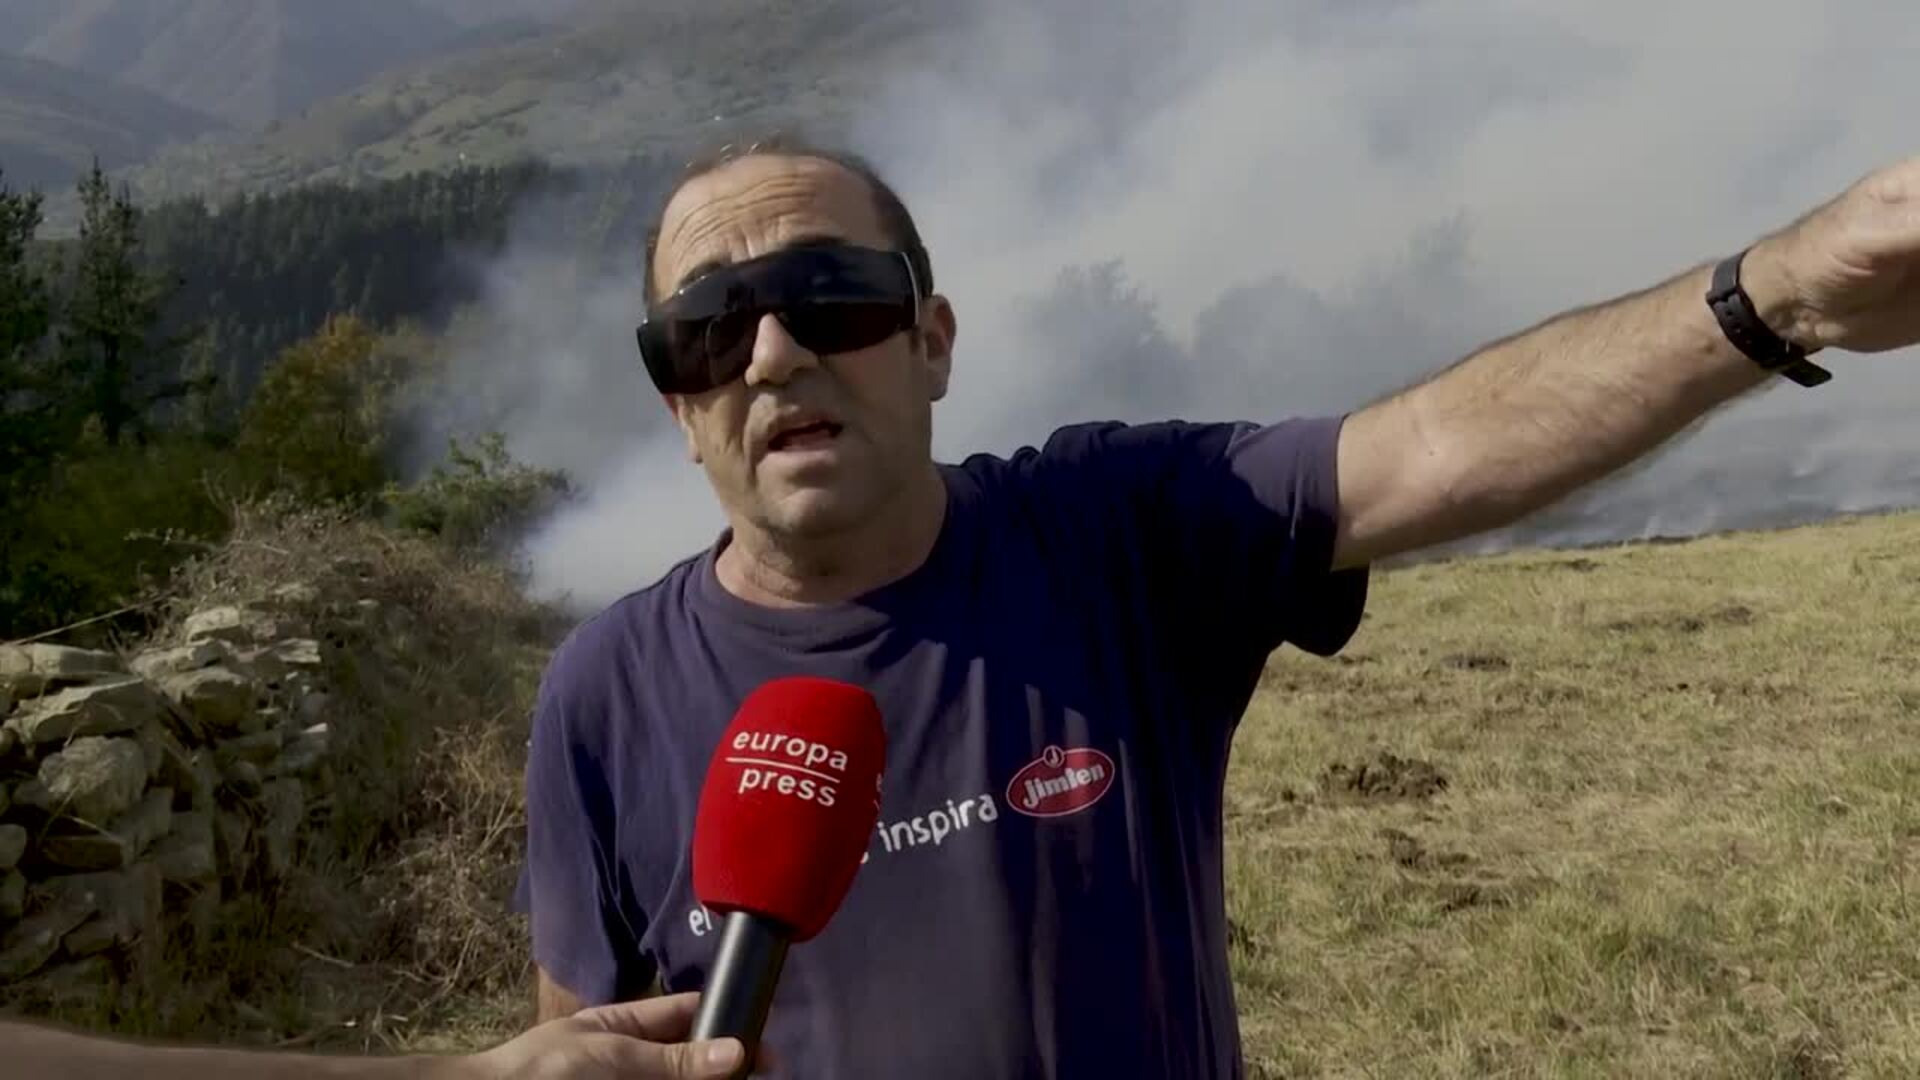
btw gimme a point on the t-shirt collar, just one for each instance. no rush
(827, 625)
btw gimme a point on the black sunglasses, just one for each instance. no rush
(832, 298)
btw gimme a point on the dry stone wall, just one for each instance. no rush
(136, 791)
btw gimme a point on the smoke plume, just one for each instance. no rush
(1233, 209)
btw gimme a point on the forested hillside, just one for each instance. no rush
(121, 79)
(165, 367)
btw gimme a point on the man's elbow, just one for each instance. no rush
(1397, 494)
(1402, 491)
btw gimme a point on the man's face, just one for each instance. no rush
(801, 445)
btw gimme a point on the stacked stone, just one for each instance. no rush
(135, 789)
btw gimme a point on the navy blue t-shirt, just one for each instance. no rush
(1060, 682)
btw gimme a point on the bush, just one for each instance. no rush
(397, 907)
(317, 426)
(110, 523)
(480, 499)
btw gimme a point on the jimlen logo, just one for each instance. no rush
(1060, 782)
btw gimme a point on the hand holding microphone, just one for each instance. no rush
(788, 809)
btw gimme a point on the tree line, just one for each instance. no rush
(261, 271)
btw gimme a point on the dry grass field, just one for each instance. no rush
(1650, 811)
(1647, 811)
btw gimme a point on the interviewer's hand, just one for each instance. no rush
(1847, 274)
(641, 1040)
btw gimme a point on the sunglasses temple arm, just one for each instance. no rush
(913, 288)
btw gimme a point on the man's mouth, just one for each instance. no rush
(806, 436)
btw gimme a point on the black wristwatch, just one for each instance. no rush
(1733, 309)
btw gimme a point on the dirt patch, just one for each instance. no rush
(1449, 895)
(1450, 881)
(1406, 850)
(1687, 622)
(1279, 809)
(1772, 689)
(1476, 661)
(1577, 566)
(1386, 778)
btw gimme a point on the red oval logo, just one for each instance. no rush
(1060, 782)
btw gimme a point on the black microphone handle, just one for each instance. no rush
(746, 967)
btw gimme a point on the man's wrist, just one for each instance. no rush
(449, 1067)
(1767, 279)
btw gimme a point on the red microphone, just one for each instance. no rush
(791, 799)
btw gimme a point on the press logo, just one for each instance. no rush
(796, 767)
(1060, 782)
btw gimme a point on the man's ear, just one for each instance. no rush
(678, 406)
(938, 329)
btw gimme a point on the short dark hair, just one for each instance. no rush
(895, 220)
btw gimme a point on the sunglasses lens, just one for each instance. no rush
(845, 327)
(728, 346)
(692, 356)
(831, 300)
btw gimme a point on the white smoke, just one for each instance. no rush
(1238, 209)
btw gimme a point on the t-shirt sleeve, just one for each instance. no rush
(1278, 502)
(584, 937)
(1231, 527)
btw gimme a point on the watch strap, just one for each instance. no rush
(1733, 309)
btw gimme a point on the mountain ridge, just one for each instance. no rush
(247, 62)
(54, 121)
(609, 83)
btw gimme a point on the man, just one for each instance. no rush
(640, 1041)
(1062, 641)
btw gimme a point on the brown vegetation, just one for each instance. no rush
(1677, 834)
(393, 930)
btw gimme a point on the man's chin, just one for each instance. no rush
(814, 511)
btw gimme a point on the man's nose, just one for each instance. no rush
(776, 356)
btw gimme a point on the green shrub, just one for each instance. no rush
(480, 498)
(110, 523)
(317, 426)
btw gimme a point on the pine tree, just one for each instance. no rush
(27, 438)
(113, 359)
(23, 294)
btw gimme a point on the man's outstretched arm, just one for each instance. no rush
(1526, 420)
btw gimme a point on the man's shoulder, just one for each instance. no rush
(1079, 457)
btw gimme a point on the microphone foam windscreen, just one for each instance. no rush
(790, 802)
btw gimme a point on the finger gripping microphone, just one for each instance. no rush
(789, 805)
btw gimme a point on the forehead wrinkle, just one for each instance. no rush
(763, 215)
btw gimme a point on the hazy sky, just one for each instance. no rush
(1247, 210)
